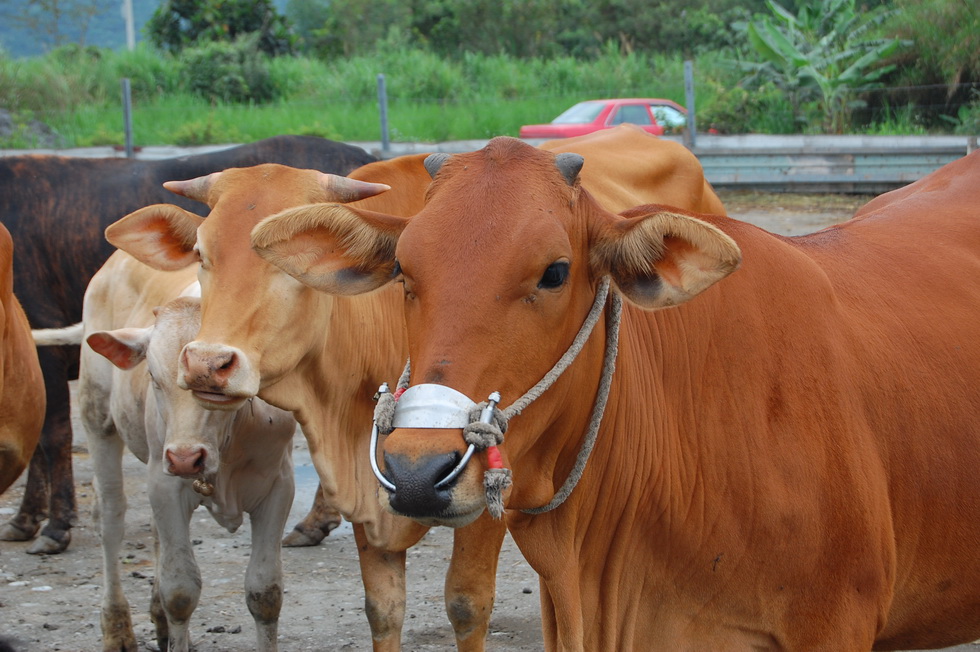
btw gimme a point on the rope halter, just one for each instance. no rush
(437, 406)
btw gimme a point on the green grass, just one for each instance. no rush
(77, 92)
(187, 120)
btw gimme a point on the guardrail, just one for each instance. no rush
(795, 163)
(840, 164)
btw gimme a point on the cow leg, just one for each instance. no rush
(178, 578)
(117, 626)
(263, 579)
(33, 506)
(383, 575)
(471, 580)
(317, 524)
(56, 533)
(157, 614)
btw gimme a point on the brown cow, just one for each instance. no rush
(311, 354)
(21, 384)
(625, 166)
(322, 357)
(786, 459)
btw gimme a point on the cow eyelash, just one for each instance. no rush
(396, 274)
(204, 263)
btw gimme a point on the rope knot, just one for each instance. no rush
(384, 412)
(484, 435)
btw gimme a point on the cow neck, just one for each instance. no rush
(488, 424)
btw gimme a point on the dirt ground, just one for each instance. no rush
(52, 603)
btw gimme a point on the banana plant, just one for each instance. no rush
(826, 53)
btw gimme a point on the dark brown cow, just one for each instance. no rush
(786, 455)
(21, 384)
(57, 209)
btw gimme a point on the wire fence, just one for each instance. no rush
(414, 116)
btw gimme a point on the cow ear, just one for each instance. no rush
(333, 248)
(125, 347)
(161, 236)
(658, 257)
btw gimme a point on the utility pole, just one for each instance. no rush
(127, 14)
(692, 131)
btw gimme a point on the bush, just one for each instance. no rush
(737, 110)
(967, 120)
(228, 72)
(149, 73)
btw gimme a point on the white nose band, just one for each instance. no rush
(432, 406)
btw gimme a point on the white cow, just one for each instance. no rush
(230, 461)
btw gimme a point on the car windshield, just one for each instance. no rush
(668, 116)
(581, 113)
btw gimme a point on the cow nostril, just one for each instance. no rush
(229, 364)
(186, 462)
(416, 493)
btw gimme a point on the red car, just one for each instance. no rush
(658, 116)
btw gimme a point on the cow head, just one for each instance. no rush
(499, 269)
(193, 437)
(248, 338)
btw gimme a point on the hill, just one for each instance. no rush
(30, 27)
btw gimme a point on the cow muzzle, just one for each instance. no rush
(218, 376)
(435, 483)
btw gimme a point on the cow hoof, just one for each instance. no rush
(12, 532)
(298, 539)
(117, 629)
(44, 545)
(129, 645)
(125, 648)
(305, 537)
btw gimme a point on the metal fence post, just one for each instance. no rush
(383, 109)
(127, 117)
(691, 136)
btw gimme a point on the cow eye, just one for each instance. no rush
(555, 276)
(396, 271)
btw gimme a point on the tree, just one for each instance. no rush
(178, 24)
(945, 36)
(826, 53)
(354, 27)
(307, 16)
(939, 75)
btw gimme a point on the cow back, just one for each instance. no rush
(625, 166)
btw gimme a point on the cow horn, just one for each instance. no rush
(569, 165)
(433, 163)
(345, 189)
(196, 189)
